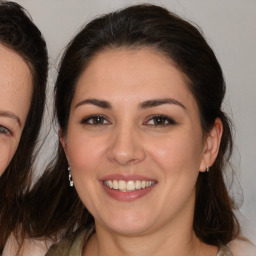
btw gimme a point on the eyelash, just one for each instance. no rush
(101, 120)
(4, 130)
(166, 119)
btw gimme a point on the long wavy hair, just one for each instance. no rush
(53, 206)
(18, 33)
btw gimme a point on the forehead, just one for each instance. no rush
(13, 66)
(132, 72)
(15, 83)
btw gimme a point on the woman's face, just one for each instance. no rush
(15, 94)
(134, 142)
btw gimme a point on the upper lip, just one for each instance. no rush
(126, 177)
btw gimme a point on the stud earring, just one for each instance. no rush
(71, 183)
(207, 169)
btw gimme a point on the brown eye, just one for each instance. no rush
(95, 120)
(161, 120)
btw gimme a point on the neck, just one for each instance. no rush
(172, 236)
(163, 242)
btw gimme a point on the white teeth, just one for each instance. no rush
(115, 184)
(110, 184)
(130, 185)
(122, 185)
(138, 184)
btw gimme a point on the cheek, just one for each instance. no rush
(176, 160)
(85, 157)
(7, 150)
(84, 154)
(176, 153)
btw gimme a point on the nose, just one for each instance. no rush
(126, 146)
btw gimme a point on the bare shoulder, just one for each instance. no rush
(31, 247)
(242, 247)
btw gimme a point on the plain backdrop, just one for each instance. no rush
(229, 27)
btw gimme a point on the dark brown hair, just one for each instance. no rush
(52, 204)
(19, 33)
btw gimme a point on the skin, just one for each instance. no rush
(128, 141)
(15, 93)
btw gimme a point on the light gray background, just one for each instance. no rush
(230, 28)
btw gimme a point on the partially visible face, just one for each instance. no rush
(134, 142)
(15, 95)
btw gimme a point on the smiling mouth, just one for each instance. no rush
(128, 186)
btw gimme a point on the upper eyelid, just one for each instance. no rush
(11, 124)
(160, 115)
(11, 116)
(168, 118)
(92, 116)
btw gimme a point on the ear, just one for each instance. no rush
(63, 141)
(211, 145)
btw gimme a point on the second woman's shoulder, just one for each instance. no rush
(30, 247)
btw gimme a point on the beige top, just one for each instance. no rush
(73, 246)
(39, 247)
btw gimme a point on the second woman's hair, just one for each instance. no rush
(18, 33)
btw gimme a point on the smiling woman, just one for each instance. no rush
(134, 153)
(23, 73)
(143, 143)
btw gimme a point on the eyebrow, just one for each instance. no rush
(158, 102)
(144, 105)
(96, 102)
(10, 115)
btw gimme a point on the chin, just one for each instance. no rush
(128, 224)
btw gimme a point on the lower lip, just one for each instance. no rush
(127, 196)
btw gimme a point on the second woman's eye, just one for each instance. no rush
(4, 130)
(95, 120)
(160, 120)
